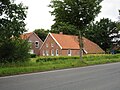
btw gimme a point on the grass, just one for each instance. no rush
(46, 63)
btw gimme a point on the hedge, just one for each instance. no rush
(41, 59)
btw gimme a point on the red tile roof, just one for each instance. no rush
(71, 42)
(26, 35)
(91, 47)
(66, 41)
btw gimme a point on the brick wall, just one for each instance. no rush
(33, 38)
(48, 46)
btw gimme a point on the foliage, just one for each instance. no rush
(42, 33)
(102, 33)
(28, 67)
(12, 18)
(14, 51)
(65, 28)
(78, 13)
(12, 24)
(75, 12)
(86, 58)
(33, 55)
(41, 59)
(118, 35)
(117, 51)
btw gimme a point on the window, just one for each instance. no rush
(52, 45)
(69, 52)
(57, 54)
(47, 54)
(43, 53)
(31, 51)
(30, 43)
(46, 45)
(36, 44)
(52, 52)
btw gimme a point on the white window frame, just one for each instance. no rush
(43, 53)
(57, 52)
(31, 51)
(69, 52)
(36, 45)
(52, 45)
(47, 53)
(46, 45)
(30, 43)
(52, 52)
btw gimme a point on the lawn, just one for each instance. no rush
(40, 64)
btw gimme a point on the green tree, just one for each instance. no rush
(12, 18)
(65, 28)
(76, 12)
(16, 50)
(12, 24)
(102, 33)
(42, 33)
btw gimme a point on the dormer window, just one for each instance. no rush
(36, 44)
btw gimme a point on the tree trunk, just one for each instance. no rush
(80, 45)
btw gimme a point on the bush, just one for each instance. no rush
(95, 57)
(117, 51)
(33, 55)
(15, 50)
(44, 59)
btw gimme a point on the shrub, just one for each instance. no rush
(15, 50)
(33, 55)
(41, 59)
(117, 51)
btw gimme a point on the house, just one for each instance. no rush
(67, 45)
(34, 40)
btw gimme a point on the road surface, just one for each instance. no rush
(99, 77)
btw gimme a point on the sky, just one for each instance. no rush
(38, 15)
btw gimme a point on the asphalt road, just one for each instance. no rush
(101, 77)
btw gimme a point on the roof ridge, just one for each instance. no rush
(63, 34)
(26, 35)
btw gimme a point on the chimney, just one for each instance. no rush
(61, 33)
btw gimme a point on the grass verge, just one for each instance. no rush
(46, 63)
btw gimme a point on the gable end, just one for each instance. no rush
(53, 39)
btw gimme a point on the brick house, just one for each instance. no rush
(67, 45)
(34, 40)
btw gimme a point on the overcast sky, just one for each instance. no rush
(38, 15)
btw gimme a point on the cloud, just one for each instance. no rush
(39, 17)
(110, 9)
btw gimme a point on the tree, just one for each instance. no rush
(76, 12)
(12, 24)
(12, 18)
(16, 50)
(65, 28)
(42, 33)
(102, 33)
